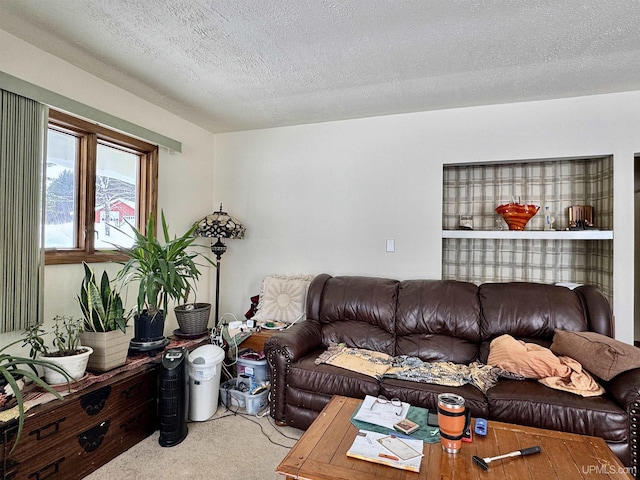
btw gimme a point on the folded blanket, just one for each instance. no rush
(449, 374)
(367, 362)
(537, 362)
(378, 365)
(579, 381)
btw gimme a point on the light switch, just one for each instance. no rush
(391, 245)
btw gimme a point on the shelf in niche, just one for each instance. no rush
(530, 234)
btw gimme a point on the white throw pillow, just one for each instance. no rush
(283, 298)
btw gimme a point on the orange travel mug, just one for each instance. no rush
(452, 421)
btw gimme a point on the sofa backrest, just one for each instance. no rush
(446, 320)
(532, 311)
(438, 320)
(356, 311)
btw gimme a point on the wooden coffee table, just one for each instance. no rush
(320, 454)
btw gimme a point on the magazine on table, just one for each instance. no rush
(403, 453)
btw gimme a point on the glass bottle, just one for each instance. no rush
(549, 219)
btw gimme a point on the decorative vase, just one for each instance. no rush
(193, 318)
(110, 349)
(516, 214)
(74, 365)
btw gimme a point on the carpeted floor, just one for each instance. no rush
(229, 446)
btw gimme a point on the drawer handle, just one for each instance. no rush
(48, 471)
(91, 440)
(48, 430)
(131, 391)
(95, 401)
(131, 423)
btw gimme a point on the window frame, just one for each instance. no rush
(89, 135)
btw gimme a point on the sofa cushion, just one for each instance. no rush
(528, 402)
(367, 362)
(603, 356)
(529, 310)
(425, 395)
(438, 321)
(329, 380)
(359, 312)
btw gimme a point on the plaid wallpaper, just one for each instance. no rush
(478, 189)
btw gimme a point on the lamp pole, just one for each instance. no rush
(218, 249)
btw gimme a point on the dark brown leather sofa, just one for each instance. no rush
(449, 321)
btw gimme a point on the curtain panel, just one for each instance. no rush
(23, 127)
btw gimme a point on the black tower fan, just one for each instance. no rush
(174, 397)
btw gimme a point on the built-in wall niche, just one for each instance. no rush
(492, 253)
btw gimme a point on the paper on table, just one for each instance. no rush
(383, 414)
(367, 447)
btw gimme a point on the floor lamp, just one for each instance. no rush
(219, 225)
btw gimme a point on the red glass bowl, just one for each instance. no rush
(516, 214)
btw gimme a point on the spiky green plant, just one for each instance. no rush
(101, 305)
(164, 271)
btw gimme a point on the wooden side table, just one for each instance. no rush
(257, 339)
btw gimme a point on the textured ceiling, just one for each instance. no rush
(245, 64)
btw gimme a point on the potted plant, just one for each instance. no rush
(163, 270)
(105, 322)
(67, 353)
(12, 376)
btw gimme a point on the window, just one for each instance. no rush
(97, 180)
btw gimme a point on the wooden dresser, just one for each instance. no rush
(70, 438)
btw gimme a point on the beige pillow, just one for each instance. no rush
(603, 356)
(283, 298)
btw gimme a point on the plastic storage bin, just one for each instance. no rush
(205, 364)
(254, 368)
(231, 398)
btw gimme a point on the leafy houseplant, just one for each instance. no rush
(12, 371)
(68, 353)
(164, 271)
(105, 322)
(101, 305)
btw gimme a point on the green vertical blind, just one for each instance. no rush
(23, 124)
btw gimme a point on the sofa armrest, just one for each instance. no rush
(297, 341)
(625, 389)
(283, 348)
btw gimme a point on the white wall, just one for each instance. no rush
(185, 188)
(325, 197)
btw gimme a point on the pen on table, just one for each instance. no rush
(390, 457)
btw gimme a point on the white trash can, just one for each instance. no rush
(205, 364)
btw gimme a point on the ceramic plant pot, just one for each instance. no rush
(110, 349)
(74, 365)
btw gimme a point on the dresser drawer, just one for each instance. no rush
(88, 449)
(65, 419)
